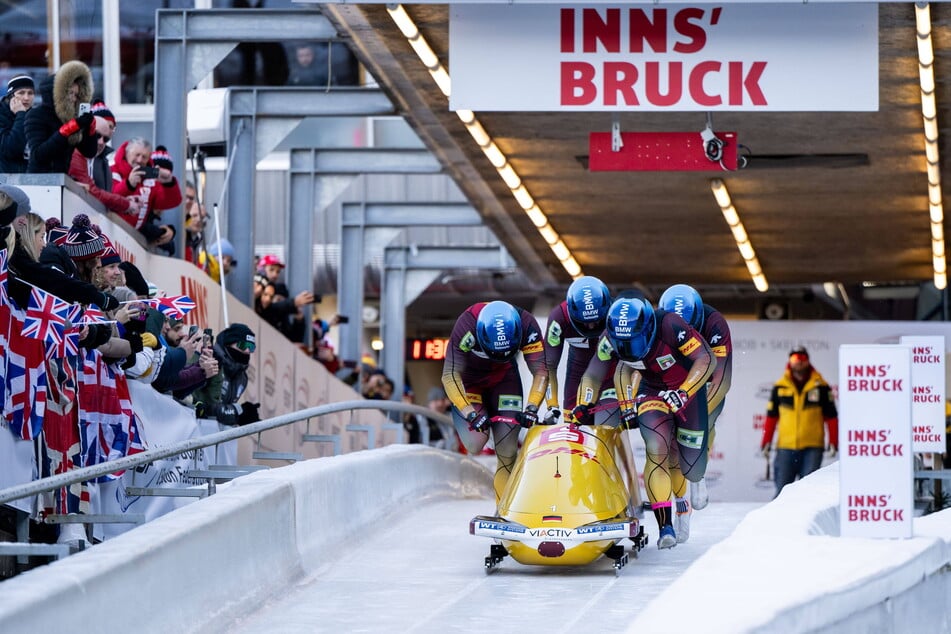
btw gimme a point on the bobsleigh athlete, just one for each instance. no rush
(712, 326)
(482, 379)
(662, 374)
(576, 324)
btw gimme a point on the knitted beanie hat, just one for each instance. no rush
(235, 333)
(110, 255)
(18, 82)
(81, 241)
(101, 110)
(55, 230)
(160, 158)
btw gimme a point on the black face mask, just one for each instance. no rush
(239, 356)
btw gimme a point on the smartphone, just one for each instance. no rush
(84, 108)
(343, 319)
(206, 338)
(150, 171)
(192, 331)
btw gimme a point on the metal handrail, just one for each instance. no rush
(128, 462)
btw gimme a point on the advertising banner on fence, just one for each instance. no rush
(875, 453)
(928, 400)
(736, 57)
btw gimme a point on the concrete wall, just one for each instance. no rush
(258, 533)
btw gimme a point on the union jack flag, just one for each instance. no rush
(67, 347)
(174, 307)
(45, 317)
(92, 315)
(4, 298)
(25, 398)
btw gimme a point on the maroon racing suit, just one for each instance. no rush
(678, 359)
(561, 334)
(475, 382)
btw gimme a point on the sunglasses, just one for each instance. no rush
(798, 358)
(246, 346)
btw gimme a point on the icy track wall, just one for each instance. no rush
(785, 569)
(257, 534)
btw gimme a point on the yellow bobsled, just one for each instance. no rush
(566, 502)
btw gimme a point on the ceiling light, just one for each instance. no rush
(429, 59)
(732, 218)
(929, 114)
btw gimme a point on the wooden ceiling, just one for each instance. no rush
(811, 220)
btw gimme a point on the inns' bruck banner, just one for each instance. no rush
(750, 57)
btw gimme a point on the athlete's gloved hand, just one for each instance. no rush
(552, 416)
(582, 415)
(765, 450)
(477, 422)
(629, 419)
(675, 399)
(529, 417)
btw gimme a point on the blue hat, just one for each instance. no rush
(222, 248)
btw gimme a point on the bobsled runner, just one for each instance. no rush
(566, 502)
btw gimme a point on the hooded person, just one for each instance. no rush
(62, 123)
(218, 259)
(218, 399)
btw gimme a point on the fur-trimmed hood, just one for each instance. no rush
(69, 73)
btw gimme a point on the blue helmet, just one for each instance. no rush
(499, 331)
(588, 301)
(685, 301)
(632, 328)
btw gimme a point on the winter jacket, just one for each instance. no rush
(160, 196)
(219, 397)
(12, 139)
(50, 151)
(25, 271)
(100, 182)
(800, 414)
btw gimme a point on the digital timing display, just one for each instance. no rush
(426, 349)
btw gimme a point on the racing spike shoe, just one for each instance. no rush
(682, 520)
(698, 494)
(667, 537)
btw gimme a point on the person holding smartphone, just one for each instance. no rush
(149, 178)
(13, 108)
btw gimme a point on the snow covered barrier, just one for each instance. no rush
(785, 569)
(181, 571)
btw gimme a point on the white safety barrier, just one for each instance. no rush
(784, 569)
(258, 533)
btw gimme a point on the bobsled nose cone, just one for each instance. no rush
(551, 549)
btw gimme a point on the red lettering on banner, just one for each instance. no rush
(867, 450)
(579, 84)
(877, 515)
(868, 500)
(928, 438)
(867, 370)
(875, 385)
(926, 358)
(577, 76)
(868, 435)
(567, 30)
(199, 294)
(606, 31)
(927, 398)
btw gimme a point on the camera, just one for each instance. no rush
(84, 108)
(149, 171)
(712, 144)
(343, 319)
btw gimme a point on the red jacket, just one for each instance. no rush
(160, 196)
(79, 171)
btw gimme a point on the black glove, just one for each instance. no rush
(552, 416)
(582, 415)
(98, 335)
(629, 418)
(477, 422)
(249, 413)
(109, 303)
(529, 417)
(85, 121)
(675, 399)
(135, 340)
(136, 326)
